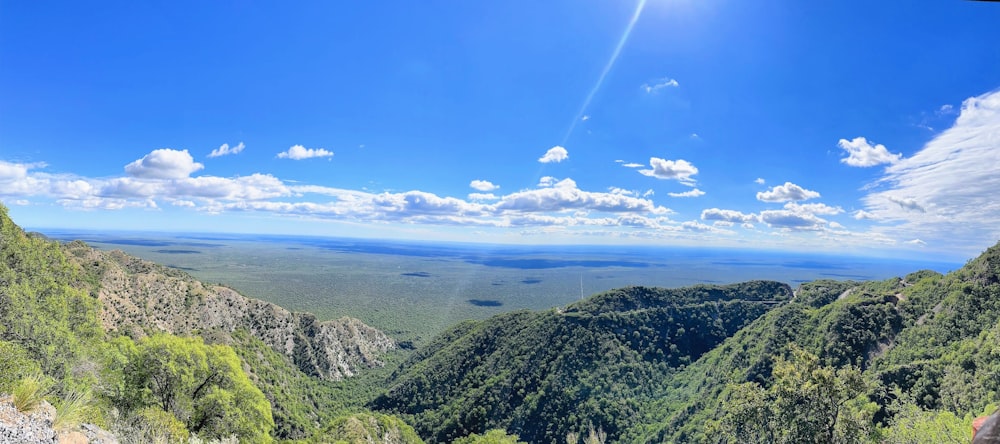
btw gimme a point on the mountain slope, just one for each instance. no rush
(138, 297)
(543, 375)
(928, 343)
(56, 301)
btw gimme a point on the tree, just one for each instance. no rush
(913, 425)
(203, 386)
(368, 428)
(494, 436)
(806, 403)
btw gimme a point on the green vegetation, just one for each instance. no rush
(543, 375)
(29, 393)
(363, 428)
(904, 360)
(495, 436)
(203, 386)
(73, 409)
(806, 403)
(161, 388)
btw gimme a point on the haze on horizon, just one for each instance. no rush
(846, 127)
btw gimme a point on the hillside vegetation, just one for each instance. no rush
(152, 355)
(543, 375)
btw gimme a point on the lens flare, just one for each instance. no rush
(607, 68)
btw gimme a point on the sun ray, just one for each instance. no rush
(607, 68)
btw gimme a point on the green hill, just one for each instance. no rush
(926, 344)
(150, 354)
(543, 375)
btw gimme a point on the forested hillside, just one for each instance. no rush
(902, 360)
(150, 354)
(543, 375)
(138, 297)
(94, 333)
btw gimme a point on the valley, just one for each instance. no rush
(414, 290)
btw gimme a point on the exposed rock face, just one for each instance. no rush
(35, 427)
(140, 297)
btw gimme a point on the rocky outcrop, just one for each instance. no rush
(35, 427)
(139, 297)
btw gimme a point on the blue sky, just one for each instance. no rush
(848, 127)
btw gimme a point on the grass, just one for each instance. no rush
(30, 392)
(73, 410)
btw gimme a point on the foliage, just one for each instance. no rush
(45, 307)
(29, 392)
(150, 425)
(15, 363)
(595, 369)
(806, 403)
(494, 436)
(203, 386)
(896, 361)
(367, 428)
(914, 425)
(73, 409)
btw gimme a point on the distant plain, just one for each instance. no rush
(413, 290)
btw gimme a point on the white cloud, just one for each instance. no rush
(633, 165)
(299, 152)
(863, 215)
(787, 192)
(130, 187)
(862, 153)
(917, 242)
(12, 171)
(564, 195)
(680, 170)
(698, 226)
(692, 193)
(648, 193)
(164, 163)
(555, 154)
(225, 150)
(483, 185)
(791, 220)
(585, 118)
(655, 86)
(734, 216)
(759, 181)
(547, 181)
(423, 203)
(482, 196)
(907, 203)
(71, 188)
(813, 208)
(252, 187)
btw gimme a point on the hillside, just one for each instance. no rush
(543, 375)
(926, 344)
(101, 334)
(149, 353)
(138, 297)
